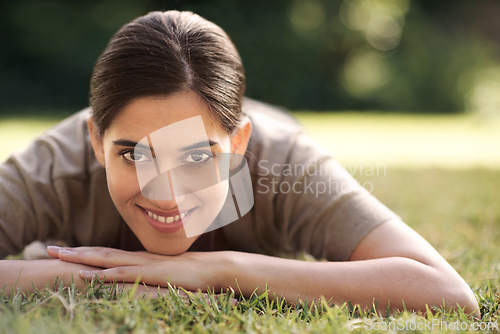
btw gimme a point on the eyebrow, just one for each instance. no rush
(130, 143)
(199, 145)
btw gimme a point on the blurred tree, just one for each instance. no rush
(426, 56)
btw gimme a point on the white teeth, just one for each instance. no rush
(167, 220)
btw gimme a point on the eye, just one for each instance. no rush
(197, 157)
(135, 156)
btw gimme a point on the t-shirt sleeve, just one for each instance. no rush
(323, 210)
(55, 189)
(304, 200)
(30, 200)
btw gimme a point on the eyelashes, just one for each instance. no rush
(197, 157)
(191, 158)
(134, 156)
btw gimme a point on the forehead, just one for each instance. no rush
(145, 115)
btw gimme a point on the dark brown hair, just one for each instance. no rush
(162, 53)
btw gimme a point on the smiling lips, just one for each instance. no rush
(163, 219)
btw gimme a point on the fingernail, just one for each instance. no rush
(54, 248)
(65, 252)
(87, 273)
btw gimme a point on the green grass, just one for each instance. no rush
(456, 208)
(407, 140)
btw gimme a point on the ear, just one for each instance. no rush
(240, 139)
(96, 140)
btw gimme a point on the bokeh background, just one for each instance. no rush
(393, 55)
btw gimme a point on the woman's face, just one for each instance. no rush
(164, 224)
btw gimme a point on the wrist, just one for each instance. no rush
(225, 270)
(68, 272)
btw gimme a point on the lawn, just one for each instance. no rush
(441, 174)
(406, 140)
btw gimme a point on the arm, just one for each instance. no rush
(28, 274)
(393, 264)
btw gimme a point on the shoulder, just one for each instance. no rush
(262, 113)
(66, 147)
(272, 128)
(278, 139)
(270, 124)
(60, 157)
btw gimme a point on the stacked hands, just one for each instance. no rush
(190, 270)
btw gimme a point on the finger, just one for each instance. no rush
(85, 249)
(53, 251)
(104, 257)
(123, 274)
(153, 274)
(129, 274)
(106, 251)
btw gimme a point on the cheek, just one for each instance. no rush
(211, 201)
(122, 183)
(214, 196)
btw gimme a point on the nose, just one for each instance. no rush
(159, 189)
(164, 204)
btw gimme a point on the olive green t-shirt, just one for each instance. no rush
(304, 201)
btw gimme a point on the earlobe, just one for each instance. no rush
(96, 141)
(239, 141)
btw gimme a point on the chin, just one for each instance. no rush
(170, 250)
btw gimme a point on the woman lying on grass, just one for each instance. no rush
(154, 175)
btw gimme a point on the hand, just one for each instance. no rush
(192, 270)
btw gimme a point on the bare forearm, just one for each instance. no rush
(385, 281)
(28, 274)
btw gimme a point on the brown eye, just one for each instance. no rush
(135, 156)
